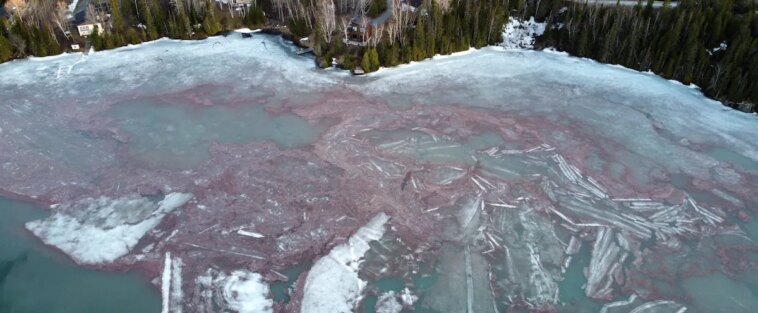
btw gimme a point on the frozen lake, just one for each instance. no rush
(235, 176)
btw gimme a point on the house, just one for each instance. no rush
(87, 28)
(358, 29)
(361, 27)
(101, 11)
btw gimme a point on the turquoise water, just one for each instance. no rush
(571, 289)
(35, 278)
(279, 289)
(419, 286)
(732, 157)
(177, 136)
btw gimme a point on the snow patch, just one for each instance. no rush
(408, 298)
(333, 285)
(521, 34)
(246, 30)
(387, 303)
(93, 231)
(246, 292)
(722, 47)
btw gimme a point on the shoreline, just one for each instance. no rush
(291, 39)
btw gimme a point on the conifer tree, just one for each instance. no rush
(6, 49)
(366, 62)
(211, 24)
(116, 17)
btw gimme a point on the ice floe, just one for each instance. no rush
(333, 285)
(100, 230)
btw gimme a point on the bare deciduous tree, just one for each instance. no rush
(401, 19)
(327, 20)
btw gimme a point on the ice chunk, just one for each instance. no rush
(605, 259)
(388, 303)
(93, 231)
(171, 284)
(249, 234)
(408, 298)
(246, 292)
(333, 285)
(166, 282)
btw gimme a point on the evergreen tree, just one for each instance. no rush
(6, 49)
(147, 17)
(374, 59)
(366, 62)
(116, 18)
(96, 40)
(254, 17)
(211, 24)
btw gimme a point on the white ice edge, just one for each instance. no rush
(92, 244)
(333, 285)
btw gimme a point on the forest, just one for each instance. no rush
(711, 43)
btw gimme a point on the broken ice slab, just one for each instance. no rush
(606, 216)
(101, 230)
(387, 168)
(636, 305)
(171, 285)
(574, 245)
(606, 257)
(332, 284)
(445, 175)
(469, 208)
(249, 234)
(463, 284)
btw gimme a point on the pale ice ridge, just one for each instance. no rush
(166, 283)
(171, 284)
(94, 231)
(333, 285)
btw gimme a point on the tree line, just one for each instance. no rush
(23, 33)
(710, 43)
